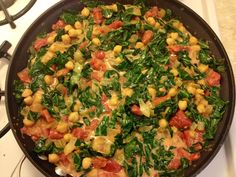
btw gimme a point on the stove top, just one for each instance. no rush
(12, 158)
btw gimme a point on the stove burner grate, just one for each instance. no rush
(4, 4)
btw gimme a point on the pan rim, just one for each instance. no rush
(220, 141)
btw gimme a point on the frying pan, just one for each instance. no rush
(195, 24)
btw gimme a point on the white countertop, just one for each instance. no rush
(10, 153)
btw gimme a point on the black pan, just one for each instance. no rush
(195, 24)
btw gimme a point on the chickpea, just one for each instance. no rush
(174, 35)
(85, 12)
(117, 49)
(48, 79)
(170, 41)
(174, 72)
(96, 41)
(62, 127)
(201, 108)
(27, 92)
(69, 65)
(68, 137)
(78, 25)
(73, 117)
(139, 45)
(28, 122)
(151, 21)
(28, 100)
(182, 104)
(66, 39)
(172, 92)
(68, 27)
(53, 158)
(157, 25)
(193, 40)
(86, 163)
(152, 92)
(163, 123)
(203, 68)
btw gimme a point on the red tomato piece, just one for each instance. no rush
(103, 173)
(98, 64)
(39, 43)
(189, 140)
(180, 120)
(99, 162)
(136, 110)
(100, 55)
(147, 36)
(104, 98)
(213, 78)
(153, 12)
(47, 115)
(93, 125)
(174, 164)
(55, 135)
(116, 24)
(97, 15)
(158, 100)
(24, 75)
(83, 44)
(96, 76)
(112, 166)
(62, 72)
(64, 159)
(80, 133)
(177, 48)
(195, 156)
(58, 25)
(107, 108)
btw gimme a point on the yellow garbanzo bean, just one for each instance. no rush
(86, 163)
(85, 12)
(53, 158)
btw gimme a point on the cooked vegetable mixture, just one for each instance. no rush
(120, 91)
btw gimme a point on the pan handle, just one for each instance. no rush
(6, 128)
(4, 47)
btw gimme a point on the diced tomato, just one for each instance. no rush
(96, 76)
(98, 64)
(195, 156)
(191, 140)
(136, 110)
(80, 133)
(147, 36)
(116, 24)
(104, 98)
(180, 120)
(47, 115)
(97, 15)
(35, 138)
(158, 100)
(100, 55)
(64, 159)
(104, 173)
(53, 134)
(24, 75)
(112, 166)
(174, 164)
(83, 44)
(39, 43)
(58, 25)
(213, 78)
(107, 108)
(153, 12)
(99, 162)
(177, 48)
(62, 72)
(93, 125)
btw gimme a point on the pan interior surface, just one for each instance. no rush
(195, 25)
